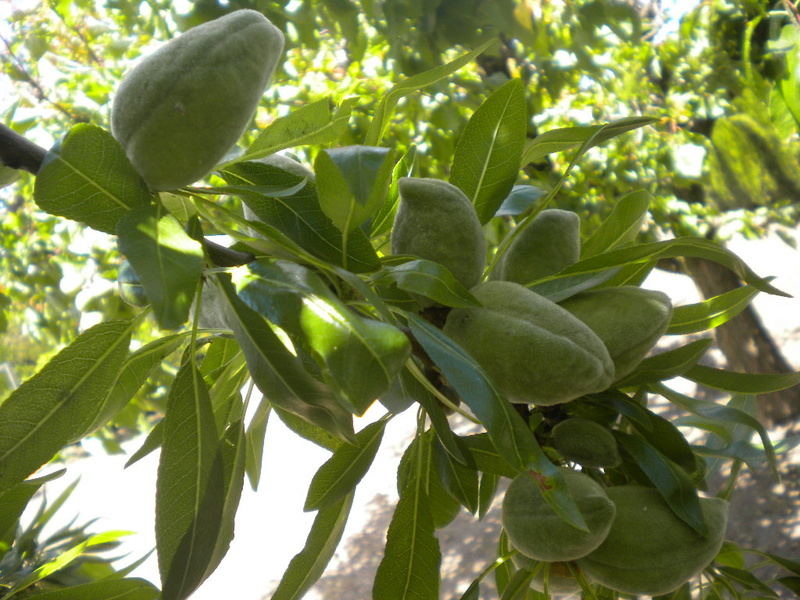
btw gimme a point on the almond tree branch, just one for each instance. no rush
(18, 152)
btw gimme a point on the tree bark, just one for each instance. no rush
(746, 344)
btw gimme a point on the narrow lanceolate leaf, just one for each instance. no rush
(488, 154)
(130, 376)
(15, 499)
(232, 453)
(742, 383)
(672, 482)
(431, 280)
(189, 486)
(728, 416)
(308, 565)
(678, 247)
(359, 357)
(460, 481)
(106, 589)
(312, 124)
(168, 262)
(559, 140)
(352, 182)
(385, 109)
(57, 405)
(711, 313)
(300, 217)
(342, 472)
(280, 375)
(511, 436)
(87, 177)
(667, 365)
(621, 226)
(409, 569)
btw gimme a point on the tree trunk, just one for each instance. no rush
(746, 344)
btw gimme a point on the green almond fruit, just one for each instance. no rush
(586, 442)
(436, 221)
(555, 579)
(630, 321)
(183, 108)
(533, 350)
(538, 532)
(130, 286)
(649, 550)
(550, 244)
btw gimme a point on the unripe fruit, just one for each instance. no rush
(184, 107)
(130, 286)
(649, 550)
(550, 244)
(538, 532)
(560, 579)
(436, 221)
(533, 350)
(630, 321)
(586, 442)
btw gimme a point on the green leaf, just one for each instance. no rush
(559, 140)
(429, 279)
(107, 589)
(678, 247)
(309, 564)
(487, 158)
(87, 177)
(300, 217)
(621, 227)
(520, 199)
(559, 288)
(130, 376)
(62, 560)
(486, 493)
(256, 433)
(189, 487)
(460, 481)
(742, 383)
(672, 482)
(232, 454)
(352, 182)
(486, 457)
(312, 124)
(280, 375)
(409, 569)
(168, 262)
(359, 357)
(788, 85)
(14, 500)
(711, 313)
(342, 472)
(726, 415)
(668, 364)
(748, 581)
(405, 167)
(56, 406)
(385, 109)
(151, 443)
(663, 435)
(513, 439)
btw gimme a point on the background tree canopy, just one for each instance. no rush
(717, 157)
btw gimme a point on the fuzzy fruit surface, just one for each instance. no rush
(649, 550)
(630, 321)
(559, 575)
(538, 532)
(586, 442)
(550, 244)
(181, 109)
(534, 351)
(436, 221)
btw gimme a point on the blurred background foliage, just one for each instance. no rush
(721, 161)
